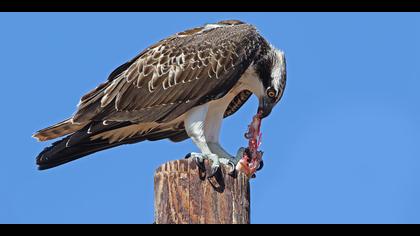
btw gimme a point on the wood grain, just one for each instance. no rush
(184, 195)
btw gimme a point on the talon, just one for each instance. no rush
(200, 164)
(214, 170)
(232, 171)
(261, 165)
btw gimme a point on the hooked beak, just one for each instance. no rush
(265, 107)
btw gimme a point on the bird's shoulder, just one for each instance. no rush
(182, 70)
(192, 43)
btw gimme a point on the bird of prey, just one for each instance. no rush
(181, 87)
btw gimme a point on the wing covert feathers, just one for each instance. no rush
(174, 75)
(156, 87)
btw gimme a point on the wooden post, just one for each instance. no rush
(184, 195)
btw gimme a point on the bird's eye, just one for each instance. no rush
(271, 93)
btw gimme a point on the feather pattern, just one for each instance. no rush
(174, 75)
(146, 97)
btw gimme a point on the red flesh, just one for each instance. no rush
(252, 157)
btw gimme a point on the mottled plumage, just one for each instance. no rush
(147, 98)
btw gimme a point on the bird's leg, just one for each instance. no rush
(194, 126)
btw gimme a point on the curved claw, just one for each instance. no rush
(200, 164)
(214, 171)
(261, 165)
(187, 156)
(232, 171)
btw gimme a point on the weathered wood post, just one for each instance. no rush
(184, 195)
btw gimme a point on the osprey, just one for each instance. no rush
(181, 87)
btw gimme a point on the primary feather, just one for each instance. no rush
(145, 98)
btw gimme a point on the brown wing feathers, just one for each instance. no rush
(158, 85)
(60, 129)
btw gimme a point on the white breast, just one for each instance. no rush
(248, 81)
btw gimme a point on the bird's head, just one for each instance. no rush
(271, 70)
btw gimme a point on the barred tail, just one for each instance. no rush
(60, 129)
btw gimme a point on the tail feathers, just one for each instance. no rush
(60, 153)
(60, 129)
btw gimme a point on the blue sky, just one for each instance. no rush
(341, 147)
